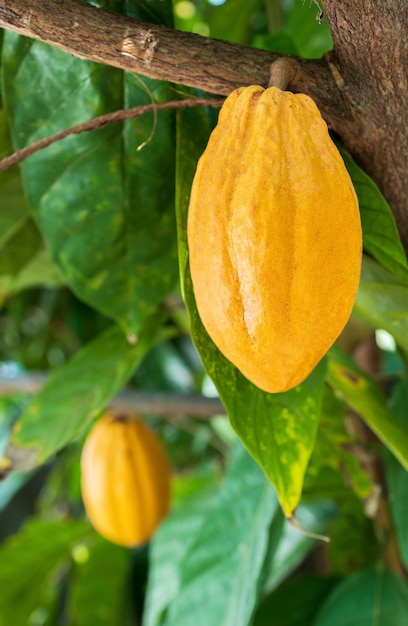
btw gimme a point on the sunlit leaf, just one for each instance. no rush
(380, 234)
(28, 562)
(382, 301)
(361, 393)
(332, 449)
(172, 542)
(98, 580)
(221, 568)
(75, 394)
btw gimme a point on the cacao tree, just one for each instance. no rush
(287, 508)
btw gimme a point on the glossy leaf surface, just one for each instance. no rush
(102, 200)
(75, 394)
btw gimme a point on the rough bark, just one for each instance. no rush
(360, 88)
(371, 54)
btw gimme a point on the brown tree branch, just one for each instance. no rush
(155, 51)
(212, 65)
(360, 89)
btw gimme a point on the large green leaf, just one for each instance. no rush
(193, 130)
(367, 598)
(24, 261)
(382, 301)
(75, 394)
(98, 580)
(28, 561)
(397, 476)
(279, 430)
(311, 38)
(104, 203)
(171, 544)
(219, 573)
(380, 234)
(353, 542)
(361, 393)
(332, 450)
(295, 603)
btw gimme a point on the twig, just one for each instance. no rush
(164, 404)
(103, 120)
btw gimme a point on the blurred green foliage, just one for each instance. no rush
(92, 235)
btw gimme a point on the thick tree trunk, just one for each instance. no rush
(371, 54)
(361, 88)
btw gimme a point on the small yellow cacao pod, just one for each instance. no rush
(125, 480)
(274, 237)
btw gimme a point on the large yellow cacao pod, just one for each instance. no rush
(125, 480)
(274, 237)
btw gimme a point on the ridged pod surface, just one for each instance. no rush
(125, 480)
(274, 237)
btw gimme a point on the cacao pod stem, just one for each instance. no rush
(283, 72)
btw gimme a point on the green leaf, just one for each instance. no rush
(13, 208)
(295, 603)
(279, 430)
(155, 11)
(360, 392)
(24, 262)
(10, 486)
(288, 546)
(366, 598)
(104, 204)
(380, 233)
(75, 394)
(397, 476)
(279, 41)
(98, 582)
(29, 561)
(311, 38)
(171, 543)
(232, 20)
(38, 271)
(193, 130)
(382, 301)
(221, 569)
(331, 450)
(353, 542)
(5, 149)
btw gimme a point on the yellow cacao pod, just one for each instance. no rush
(274, 237)
(125, 480)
